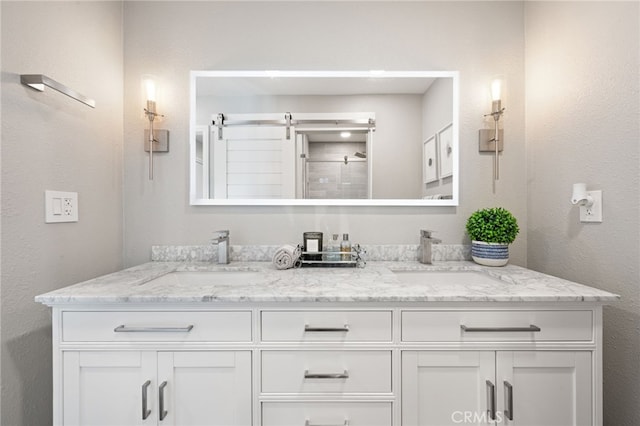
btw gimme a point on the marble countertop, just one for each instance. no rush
(153, 283)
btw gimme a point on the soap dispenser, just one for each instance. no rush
(345, 247)
(333, 249)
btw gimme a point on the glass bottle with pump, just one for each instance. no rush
(345, 247)
(332, 249)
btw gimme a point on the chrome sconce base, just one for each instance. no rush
(153, 137)
(160, 140)
(491, 140)
(486, 140)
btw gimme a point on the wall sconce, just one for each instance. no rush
(590, 203)
(492, 140)
(154, 140)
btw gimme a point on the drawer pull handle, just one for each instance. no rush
(344, 375)
(163, 412)
(308, 423)
(125, 329)
(145, 391)
(531, 328)
(491, 400)
(508, 395)
(308, 328)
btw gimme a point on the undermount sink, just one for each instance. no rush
(445, 277)
(210, 277)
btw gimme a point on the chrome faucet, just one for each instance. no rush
(222, 241)
(424, 253)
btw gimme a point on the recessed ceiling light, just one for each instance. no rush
(345, 134)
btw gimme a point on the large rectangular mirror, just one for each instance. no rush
(324, 138)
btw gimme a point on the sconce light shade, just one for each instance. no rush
(150, 89)
(496, 90)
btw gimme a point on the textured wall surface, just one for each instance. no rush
(50, 141)
(168, 39)
(582, 121)
(581, 66)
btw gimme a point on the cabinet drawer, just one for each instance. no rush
(326, 326)
(126, 326)
(326, 413)
(326, 371)
(472, 326)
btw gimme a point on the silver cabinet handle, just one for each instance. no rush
(491, 400)
(125, 329)
(531, 328)
(344, 375)
(163, 412)
(308, 328)
(508, 395)
(308, 423)
(145, 391)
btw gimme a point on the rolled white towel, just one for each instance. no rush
(286, 257)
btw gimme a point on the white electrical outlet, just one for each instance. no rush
(60, 206)
(592, 213)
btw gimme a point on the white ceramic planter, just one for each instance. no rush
(489, 254)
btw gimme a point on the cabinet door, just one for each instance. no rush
(447, 387)
(205, 388)
(107, 388)
(550, 388)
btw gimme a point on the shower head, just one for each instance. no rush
(360, 154)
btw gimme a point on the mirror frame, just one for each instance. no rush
(194, 201)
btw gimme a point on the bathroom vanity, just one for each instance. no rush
(173, 343)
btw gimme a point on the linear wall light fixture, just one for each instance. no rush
(158, 140)
(39, 81)
(492, 140)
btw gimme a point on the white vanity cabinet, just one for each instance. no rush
(146, 387)
(328, 363)
(154, 368)
(513, 367)
(326, 366)
(504, 387)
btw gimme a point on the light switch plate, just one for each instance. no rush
(592, 213)
(60, 206)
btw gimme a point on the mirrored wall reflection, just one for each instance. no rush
(262, 139)
(335, 164)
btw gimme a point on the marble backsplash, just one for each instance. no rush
(264, 253)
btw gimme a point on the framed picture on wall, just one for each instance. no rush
(445, 151)
(429, 160)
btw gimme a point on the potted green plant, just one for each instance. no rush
(491, 231)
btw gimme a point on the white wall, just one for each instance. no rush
(50, 141)
(168, 39)
(582, 121)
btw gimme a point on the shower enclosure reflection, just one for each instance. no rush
(334, 164)
(302, 138)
